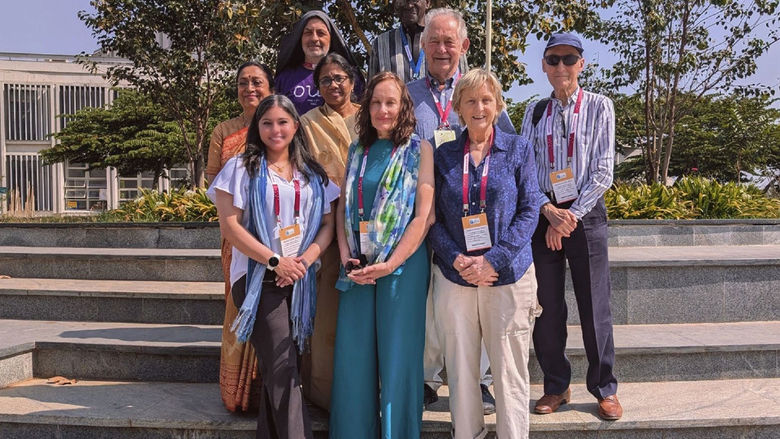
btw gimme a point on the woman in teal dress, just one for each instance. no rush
(382, 221)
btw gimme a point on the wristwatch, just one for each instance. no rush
(273, 261)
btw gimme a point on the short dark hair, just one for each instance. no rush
(269, 74)
(300, 152)
(404, 124)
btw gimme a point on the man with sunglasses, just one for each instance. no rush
(573, 133)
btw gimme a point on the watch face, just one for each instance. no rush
(273, 261)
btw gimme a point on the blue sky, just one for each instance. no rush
(52, 27)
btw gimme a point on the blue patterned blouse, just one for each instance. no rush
(512, 210)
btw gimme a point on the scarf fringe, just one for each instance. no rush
(243, 325)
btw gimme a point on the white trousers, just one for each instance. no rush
(502, 316)
(433, 356)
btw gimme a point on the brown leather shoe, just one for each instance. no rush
(610, 409)
(550, 403)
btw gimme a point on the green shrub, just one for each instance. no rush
(689, 198)
(177, 205)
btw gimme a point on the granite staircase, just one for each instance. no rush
(134, 313)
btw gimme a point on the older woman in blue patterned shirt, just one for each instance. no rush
(486, 212)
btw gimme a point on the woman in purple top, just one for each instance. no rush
(313, 36)
(485, 215)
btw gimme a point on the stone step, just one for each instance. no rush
(649, 284)
(113, 301)
(147, 352)
(142, 410)
(193, 265)
(652, 233)
(652, 285)
(622, 233)
(111, 235)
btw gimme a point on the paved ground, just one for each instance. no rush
(185, 405)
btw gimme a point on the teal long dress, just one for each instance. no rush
(380, 336)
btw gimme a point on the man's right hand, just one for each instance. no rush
(561, 220)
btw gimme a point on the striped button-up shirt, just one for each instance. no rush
(593, 158)
(388, 55)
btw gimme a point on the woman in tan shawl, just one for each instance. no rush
(329, 128)
(238, 380)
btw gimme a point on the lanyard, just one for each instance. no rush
(444, 113)
(277, 209)
(360, 179)
(415, 66)
(483, 181)
(572, 125)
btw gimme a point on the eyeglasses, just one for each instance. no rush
(256, 83)
(568, 60)
(338, 79)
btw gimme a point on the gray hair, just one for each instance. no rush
(457, 16)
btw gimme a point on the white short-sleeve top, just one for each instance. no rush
(234, 180)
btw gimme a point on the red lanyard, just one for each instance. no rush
(483, 181)
(277, 209)
(444, 113)
(360, 179)
(573, 128)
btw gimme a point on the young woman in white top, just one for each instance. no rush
(274, 206)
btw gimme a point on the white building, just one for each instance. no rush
(38, 92)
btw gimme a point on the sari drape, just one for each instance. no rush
(239, 379)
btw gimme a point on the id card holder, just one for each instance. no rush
(442, 136)
(476, 232)
(365, 241)
(291, 238)
(564, 187)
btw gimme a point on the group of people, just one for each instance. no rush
(376, 231)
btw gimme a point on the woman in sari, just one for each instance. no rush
(329, 128)
(238, 381)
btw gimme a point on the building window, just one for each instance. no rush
(29, 180)
(27, 112)
(75, 97)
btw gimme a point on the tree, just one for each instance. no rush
(133, 135)
(672, 47)
(182, 52)
(721, 137)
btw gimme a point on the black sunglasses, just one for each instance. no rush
(568, 60)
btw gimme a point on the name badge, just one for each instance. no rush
(291, 238)
(476, 232)
(366, 246)
(564, 187)
(443, 136)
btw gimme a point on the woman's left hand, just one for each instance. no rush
(479, 272)
(368, 275)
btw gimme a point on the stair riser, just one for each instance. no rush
(149, 268)
(689, 294)
(691, 234)
(112, 309)
(199, 235)
(110, 237)
(640, 295)
(203, 365)
(26, 431)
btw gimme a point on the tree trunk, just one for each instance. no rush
(674, 93)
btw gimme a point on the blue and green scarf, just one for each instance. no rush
(393, 206)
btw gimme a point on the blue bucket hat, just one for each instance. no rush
(565, 39)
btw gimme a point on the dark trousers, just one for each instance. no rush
(586, 252)
(283, 414)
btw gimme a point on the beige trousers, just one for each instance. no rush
(502, 316)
